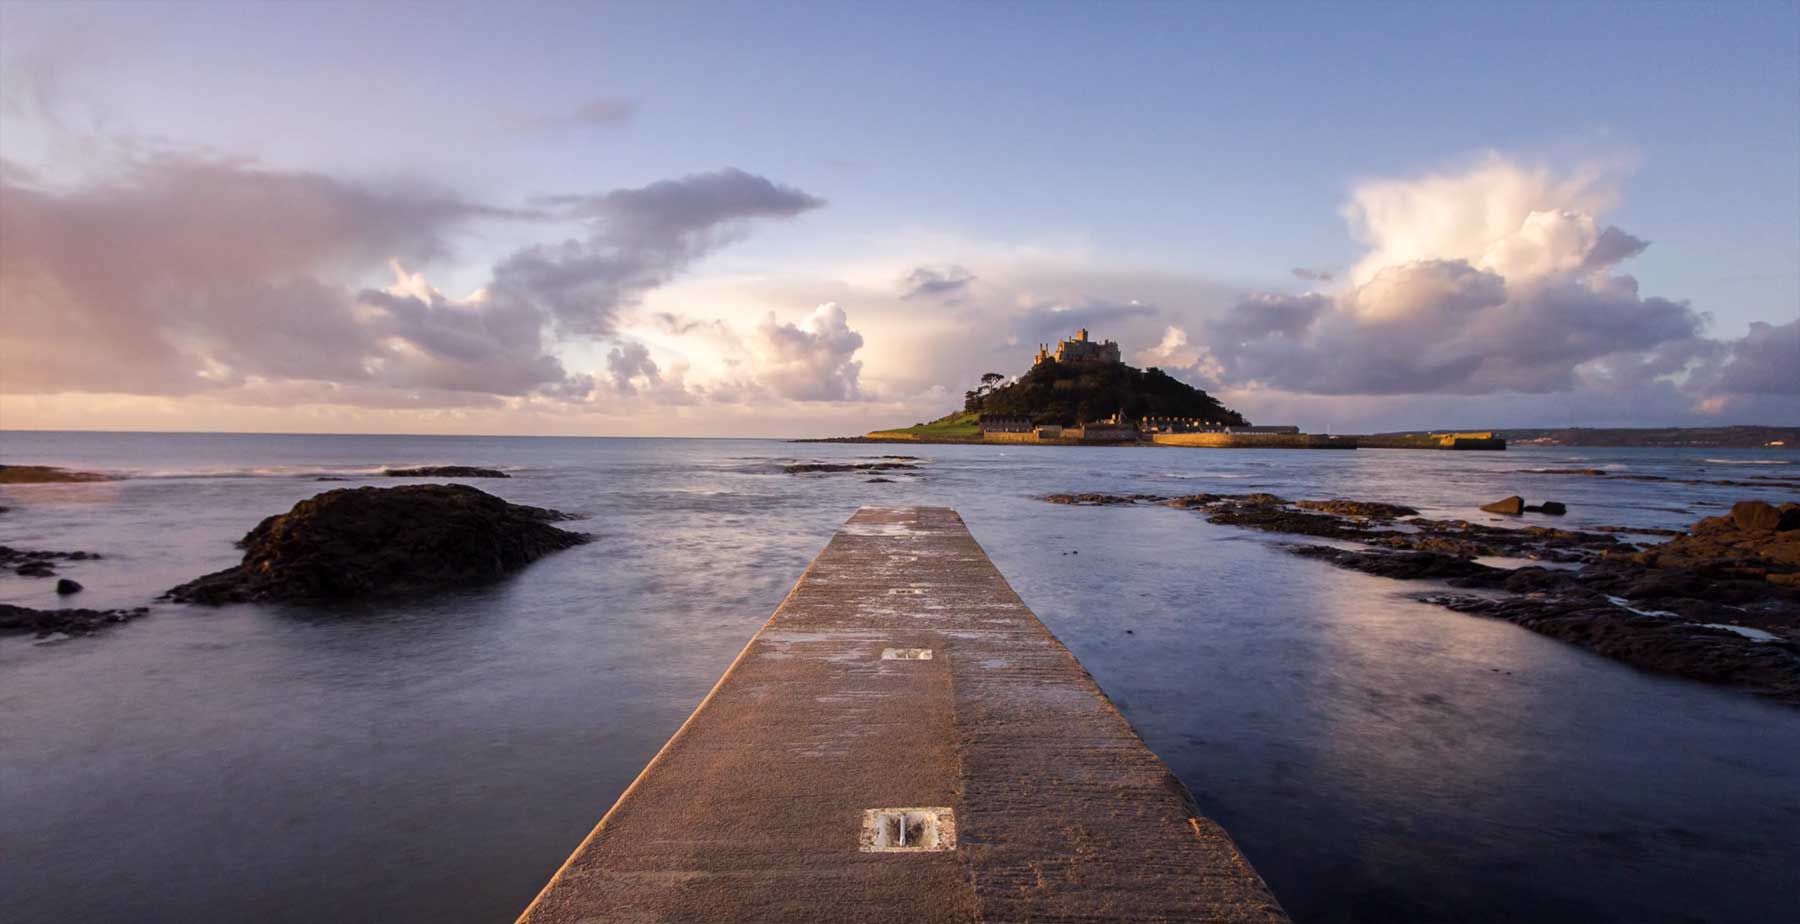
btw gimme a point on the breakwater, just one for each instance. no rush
(1255, 440)
(905, 741)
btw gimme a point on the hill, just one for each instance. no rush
(1071, 393)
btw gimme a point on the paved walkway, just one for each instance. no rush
(905, 741)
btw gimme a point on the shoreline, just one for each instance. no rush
(1174, 440)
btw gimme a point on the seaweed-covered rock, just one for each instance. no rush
(47, 474)
(444, 471)
(356, 542)
(1371, 510)
(15, 619)
(37, 562)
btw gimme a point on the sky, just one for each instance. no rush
(818, 219)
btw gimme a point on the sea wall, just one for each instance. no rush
(1255, 440)
(1466, 441)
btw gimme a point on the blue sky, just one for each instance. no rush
(1077, 144)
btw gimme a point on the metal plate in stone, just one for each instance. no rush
(908, 830)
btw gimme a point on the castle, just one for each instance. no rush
(1080, 350)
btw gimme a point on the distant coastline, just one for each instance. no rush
(1733, 437)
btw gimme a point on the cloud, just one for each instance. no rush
(630, 362)
(182, 275)
(186, 274)
(1488, 282)
(638, 239)
(1311, 274)
(930, 282)
(1765, 362)
(813, 361)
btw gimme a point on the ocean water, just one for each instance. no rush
(435, 759)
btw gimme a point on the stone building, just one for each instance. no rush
(1005, 423)
(1080, 350)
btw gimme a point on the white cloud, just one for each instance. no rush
(812, 361)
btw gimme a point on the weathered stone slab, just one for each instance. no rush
(905, 741)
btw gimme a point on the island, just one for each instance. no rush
(1083, 393)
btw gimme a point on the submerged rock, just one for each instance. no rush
(1650, 639)
(47, 474)
(444, 471)
(1101, 500)
(18, 619)
(1553, 508)
(37, 562)
(65, 587)
(1369, 510)
(1511, 506)
(804, 468)
(355, 542)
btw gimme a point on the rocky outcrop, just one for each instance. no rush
(887, 464)
(46, 474)
(1511, 506)
(443, 471)
(20, 619)
(1756, 540)
(1368, 510)
(37, 562)
(357, 542)
(1101, 500)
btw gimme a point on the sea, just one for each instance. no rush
(435, 759)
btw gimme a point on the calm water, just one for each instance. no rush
(435, 760)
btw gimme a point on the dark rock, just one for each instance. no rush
(1755, 515)
(878, 481)
(1402, 565)
(445, 471)
(65, 586)
(1101, 500)
(1276, 519)
(18, 619)
(802, 468)
(1552, 508)
(355, 542)
(1371, 510)
(1511, 506)
(1668, 645)
(45, 474)
(37, 562)
(1721, 547)
(331, 478)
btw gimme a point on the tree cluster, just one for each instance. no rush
(1073, 393)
